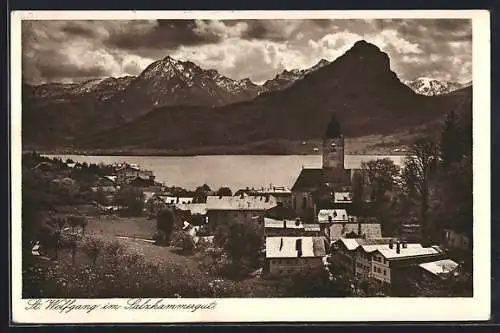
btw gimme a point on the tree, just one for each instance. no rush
(184, 241)
(382, 177)
(225, 192)
(452, 147)
(131, 198)
(165, 223)
(242, 243)
(201, 193)
(93, 247)
(420, 167)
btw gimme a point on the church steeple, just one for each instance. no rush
(333, 129)
(333, 146)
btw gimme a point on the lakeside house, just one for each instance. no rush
(128, 172)
(226, 209)
(288, 255)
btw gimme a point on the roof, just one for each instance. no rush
(194, 208)
(311, 227)
(340, 230)
(285, 247)
(280, 224)
(440, 266)
(308, 180)
(124, 167)
(239, 203)
(411, 251)
(280, 212)
(337, 215)
(350, 243)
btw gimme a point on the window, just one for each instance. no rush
(385, 272)
(304, 203)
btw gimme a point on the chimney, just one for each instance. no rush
(404, 245)
(242, 195)
(391, 244)
(329, 219)
(298, 247)
(398, 247)
(281, 243)
(297, 222)
(284, 224)
(334, 213)
(359, 229)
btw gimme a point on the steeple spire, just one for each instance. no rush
(333, 129)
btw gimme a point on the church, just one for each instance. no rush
(329, 187)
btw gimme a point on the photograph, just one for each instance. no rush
(225, 156)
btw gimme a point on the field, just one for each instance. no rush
(138, 269)
(134, 227)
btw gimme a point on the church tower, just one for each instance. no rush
(333, 146)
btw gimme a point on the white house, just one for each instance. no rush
(288, 255)
(226, 209)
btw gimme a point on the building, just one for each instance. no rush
(227, 209)
(288, 255)
(106, 184)
(336, 224)
(282, 195)
(383, 260)
(316, 189)
(172, 200)
(126, 173)
(275, 228)
(362, 230)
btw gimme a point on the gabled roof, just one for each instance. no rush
(238, 203)
(308, 180)
(286, 247)
(371, 230)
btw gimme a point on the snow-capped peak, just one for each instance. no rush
(431, 87)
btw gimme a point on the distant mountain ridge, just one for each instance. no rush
(178, 105)
(433, 87)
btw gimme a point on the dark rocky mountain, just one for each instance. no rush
(359, 88)
(286, 78)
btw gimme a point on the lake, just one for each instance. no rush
(233, 171)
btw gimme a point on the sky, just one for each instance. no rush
(76, 51)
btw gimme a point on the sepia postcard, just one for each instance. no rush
(250, 166)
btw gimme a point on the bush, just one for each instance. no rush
(132, 199)
(183, 241)
(160, 238)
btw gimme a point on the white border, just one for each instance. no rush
(250, 310)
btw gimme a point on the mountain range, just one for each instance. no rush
(432, 87)
(178, 105)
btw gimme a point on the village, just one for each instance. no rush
(316, 225)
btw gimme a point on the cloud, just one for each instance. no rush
(258, 49)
